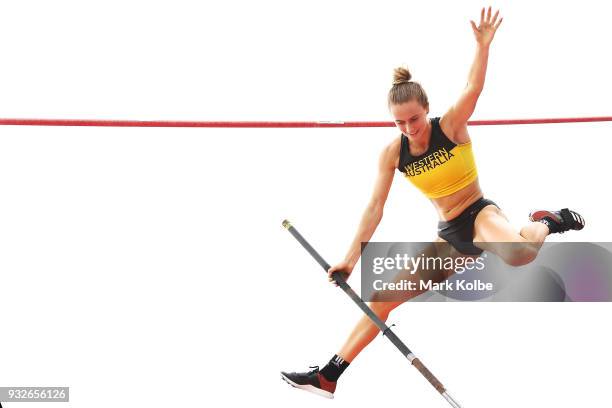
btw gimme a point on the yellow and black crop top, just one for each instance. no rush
(443, 169)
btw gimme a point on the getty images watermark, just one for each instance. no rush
(415, 265)
(434, 271)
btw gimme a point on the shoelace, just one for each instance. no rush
(561, 225)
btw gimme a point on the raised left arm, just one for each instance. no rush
(457, 116)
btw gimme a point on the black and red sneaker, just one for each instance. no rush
(559, 221)
(312, 381)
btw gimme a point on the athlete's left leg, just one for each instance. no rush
(493, 232)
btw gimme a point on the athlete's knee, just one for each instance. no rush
(382, 309)
(519, 254)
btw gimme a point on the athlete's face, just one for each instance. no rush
(410, 118)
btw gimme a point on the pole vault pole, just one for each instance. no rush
(386, 331)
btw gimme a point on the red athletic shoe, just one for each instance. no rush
(559, 221)
(312, 381)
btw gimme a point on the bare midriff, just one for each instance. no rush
(452, 206)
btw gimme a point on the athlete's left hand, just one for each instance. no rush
(487, 27)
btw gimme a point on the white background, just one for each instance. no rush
(148, 267)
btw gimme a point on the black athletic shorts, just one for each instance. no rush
(459, 232)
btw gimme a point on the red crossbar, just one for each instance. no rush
(270, 124)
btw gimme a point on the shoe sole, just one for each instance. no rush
(538, 215)
(309, 388)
